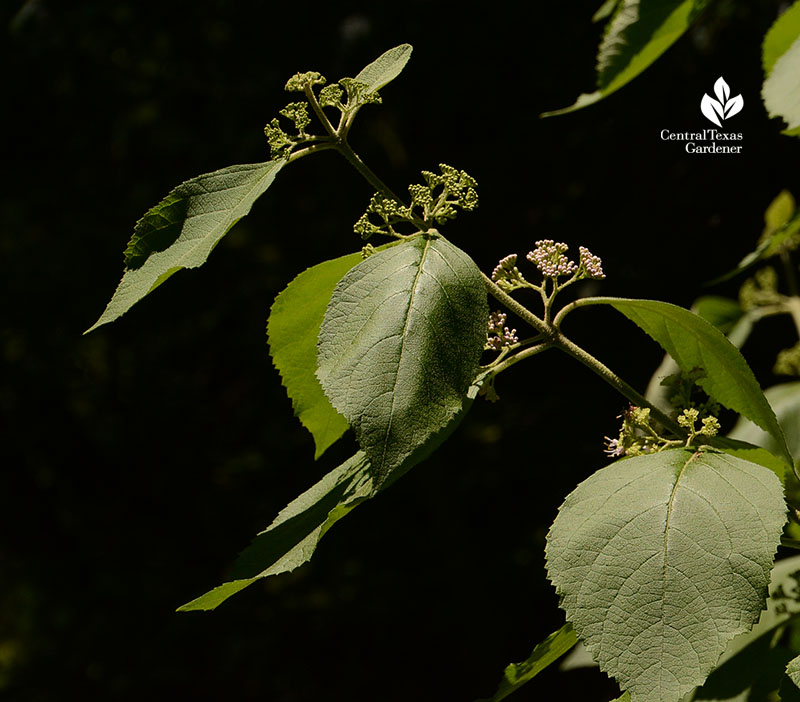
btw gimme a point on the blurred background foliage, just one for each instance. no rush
(138, 460)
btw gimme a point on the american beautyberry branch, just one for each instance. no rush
(556, 339)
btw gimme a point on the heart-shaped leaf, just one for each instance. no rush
(660, 560)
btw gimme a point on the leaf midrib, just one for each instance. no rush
(670, 504)
(417, 276)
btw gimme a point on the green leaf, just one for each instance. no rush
(793, 671)
(750, 658)
(780, 223)
(605, 10)
(292, 330)
(183, 229)
(291, 539)
(545, 653)
(386, 67)
(780, 57)
(401, 343)
(780, 210)
(785, 400)
(660, 560)
(293, 536)
(694, 343)
(637, 34)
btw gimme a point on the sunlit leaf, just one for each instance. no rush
(386, 67)
(660, 560)
(293, 329)
(183, 229)
(780, 58)
(401, 343)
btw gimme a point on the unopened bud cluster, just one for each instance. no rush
(435, 202)
(550, 258)
(499, 335)
(507, 275)
(281, 143)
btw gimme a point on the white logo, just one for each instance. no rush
(722, 107)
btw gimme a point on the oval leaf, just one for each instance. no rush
(400, 345)
(694, 343)
(182, 229)
(292, 331)
(660, 560)
(386, 67)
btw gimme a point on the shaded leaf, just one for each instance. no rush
(785, 401)
(637, 34)
(545, 653)
(400, 344)
(183, 229)
(660, 560)
(293, 536)
(694, 343)
(780, 58)
(386, 67)
(780, 223)
(292, 330)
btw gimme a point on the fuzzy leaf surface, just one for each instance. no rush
(386, 67)
(545, 653)
(400, 345)
(294, 535)
(780, 57)
(660, 560)
(753, 665)
(694, 343)
(292, 331)
(183, 229)
(638, 32)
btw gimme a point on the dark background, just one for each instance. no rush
(138, 460)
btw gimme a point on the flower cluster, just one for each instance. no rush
(590, 265)
(507, 275)
(549, 258)
(499, 335)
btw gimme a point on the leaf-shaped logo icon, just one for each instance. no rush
(724, 106)
(710, 107)
(722, 90)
